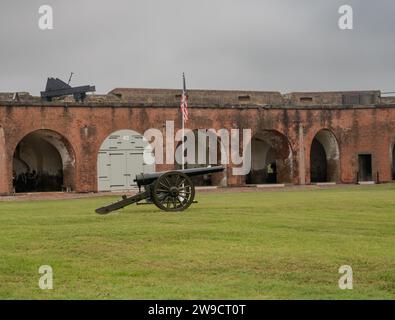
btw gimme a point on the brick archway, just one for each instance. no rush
(43, 160)
(324, 157)
(272, 158)
(208, 150)
(120, 158)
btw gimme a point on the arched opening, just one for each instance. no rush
(271, 156)
(324, 158)
(43, 161)
(120, 159)
(207, 153)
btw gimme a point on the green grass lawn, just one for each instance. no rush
(254, 245)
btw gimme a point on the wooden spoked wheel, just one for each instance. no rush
(173, 191)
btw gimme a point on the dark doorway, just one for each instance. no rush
(365, 167)
(271, 159)
(271, 173)
(42, 162)
(393, 162)
(324, 158)
(318, 162)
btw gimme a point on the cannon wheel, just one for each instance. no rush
(173, 191)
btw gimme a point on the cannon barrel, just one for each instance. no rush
(144, 179)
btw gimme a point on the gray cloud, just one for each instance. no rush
(283, 45)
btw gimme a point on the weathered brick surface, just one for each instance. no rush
(358, 128)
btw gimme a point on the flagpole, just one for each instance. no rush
(183, 128)
(183, 140)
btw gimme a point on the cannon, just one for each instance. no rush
(169, 191)
(57, 88)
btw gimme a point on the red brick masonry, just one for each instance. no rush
(362, 122)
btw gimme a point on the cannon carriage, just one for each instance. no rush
(170, 191)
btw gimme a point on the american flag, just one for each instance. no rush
(184, 102)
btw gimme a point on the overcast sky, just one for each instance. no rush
(280, 45)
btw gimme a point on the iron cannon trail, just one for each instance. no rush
(169, 191)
